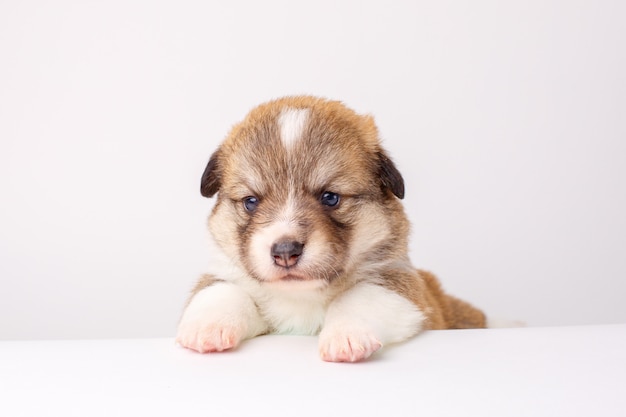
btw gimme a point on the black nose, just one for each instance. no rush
(286, 253)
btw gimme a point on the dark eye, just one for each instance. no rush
(250, 203)
(329, 199)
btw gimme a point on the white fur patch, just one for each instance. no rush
(296, 310)
(292, 123)
(363, 319)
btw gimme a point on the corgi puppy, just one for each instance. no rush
(308, 236)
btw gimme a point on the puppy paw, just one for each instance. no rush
(208, 337)
(338, 346)
(218, 318)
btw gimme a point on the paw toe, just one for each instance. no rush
(209, 339)
(348, 348)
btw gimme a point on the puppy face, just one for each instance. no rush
(305, 193)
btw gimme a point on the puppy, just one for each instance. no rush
(309, 237)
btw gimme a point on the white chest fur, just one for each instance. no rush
(302, 312)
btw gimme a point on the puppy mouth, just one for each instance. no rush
(294, 277)
(297, 276)
(296, 281)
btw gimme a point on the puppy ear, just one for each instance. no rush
(390, 177)
(212, 176)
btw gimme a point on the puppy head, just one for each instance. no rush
(305, 191)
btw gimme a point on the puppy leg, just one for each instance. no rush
(363, 319)
(219, 317)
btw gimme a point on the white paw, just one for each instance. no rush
(363, 318)
(218, 318)
(208, 337)
(347, 346)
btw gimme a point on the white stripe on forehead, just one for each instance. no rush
(292, 123)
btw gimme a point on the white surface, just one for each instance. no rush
(507, 120)
(566, 371)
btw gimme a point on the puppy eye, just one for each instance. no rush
(250, 203)
(329, 199)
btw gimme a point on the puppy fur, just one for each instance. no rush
(308, 236)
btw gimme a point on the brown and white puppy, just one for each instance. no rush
(309, 236)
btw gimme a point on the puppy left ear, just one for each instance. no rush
(212, 176)
(390, 176)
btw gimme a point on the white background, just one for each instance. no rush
(507, 119)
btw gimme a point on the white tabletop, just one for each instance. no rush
(559, 371)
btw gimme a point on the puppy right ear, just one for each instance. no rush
(390, 176)
(212, 176)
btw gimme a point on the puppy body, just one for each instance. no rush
(309, 236)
